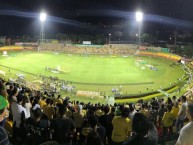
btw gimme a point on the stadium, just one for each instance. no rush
(96, 73)
(123, 76)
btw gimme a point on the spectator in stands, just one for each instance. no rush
(167, 121)
(42, 102)
(52, 104)
(161, 102)
(17, 109)
(121, 127)
(179, 102)
(153, 133)
(106, 122)
(35, 104)
(91, 123)
(186, 134)
(19, 114)
(31, 99)
(78, 118)
(76, 106)
(48, 109)
(70, 108)
(112, 113)
(93, 138)
(90, 110)
(37, 128)
(27, 105)
(3, 93)
(69, 112)
(181, 114)
(119, 109)
(63, 127)
(161, 112)
(153, 114)
(13, 95)
(141, 130)
(174, 100)
(144, 110)
(59, 100)
(175, 111)
(132, 110)
(154, 104)
(10, 89)
(4, 140)
(99, 110)
(169, 101)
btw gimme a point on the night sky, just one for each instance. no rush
(20, 17)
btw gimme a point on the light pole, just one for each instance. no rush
(109, 39)
(109, 42)
(42, 20)
(139, 18)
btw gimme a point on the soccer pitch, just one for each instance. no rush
(131, 74)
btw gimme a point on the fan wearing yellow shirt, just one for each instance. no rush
(167, 121)
(59, 100)
(42, 102)
(175, 110)
(48, 109)
(121, 127)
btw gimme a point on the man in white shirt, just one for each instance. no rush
(186, 134)
(17, 109)
(19, 114)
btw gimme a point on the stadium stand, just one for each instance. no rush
(49, 114)
(87, 50)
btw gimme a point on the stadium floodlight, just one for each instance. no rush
(43, 16)
(139, 18)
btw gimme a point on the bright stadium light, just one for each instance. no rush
(43, 16)
(139, 18)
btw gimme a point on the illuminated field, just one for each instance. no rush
(96, 72)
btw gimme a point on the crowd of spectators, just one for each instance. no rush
(51, 47)
(87, 50)
(37, 118)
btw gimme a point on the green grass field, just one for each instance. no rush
(95, 72)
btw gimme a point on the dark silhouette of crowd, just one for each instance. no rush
(31, 117)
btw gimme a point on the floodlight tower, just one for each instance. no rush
(109, 38)
(139, 18)
(42, 21)
(109, 42)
